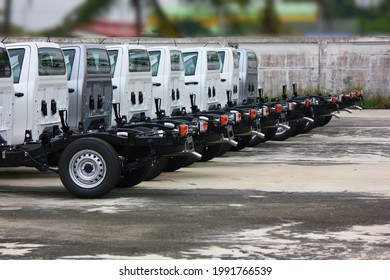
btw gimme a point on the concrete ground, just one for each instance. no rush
(321, 195)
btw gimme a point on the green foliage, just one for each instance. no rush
(376, 101)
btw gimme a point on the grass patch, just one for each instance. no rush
(376, 102)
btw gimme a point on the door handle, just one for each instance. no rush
(19, 94)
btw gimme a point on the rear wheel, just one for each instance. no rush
(210, 152)
(284, 133)
(134, 177)
(158, 166)
(326, 120)
(89, 168)
(242, 141)
(175, 163)
(268, 134)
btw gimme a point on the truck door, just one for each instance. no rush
(193, 83)
(213, 81)
(20, 64)
(6, 98)
(159, 88)
(72, 73)
(176, 84)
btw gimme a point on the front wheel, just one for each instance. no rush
(89, 168)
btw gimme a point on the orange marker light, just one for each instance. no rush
(307, 103)
(223, 120)
(252, 114)
(278, 108)
(357, 93)
(265, 111)
(183, 130)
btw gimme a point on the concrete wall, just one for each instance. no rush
(326, 64)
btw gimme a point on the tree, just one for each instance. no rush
(271, 23)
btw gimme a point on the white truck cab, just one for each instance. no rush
(248, 76)
(90, 86)
(168, 80)
(230, 71)
(132, 81)
(6, 98)
(202, 77)
(39, 78)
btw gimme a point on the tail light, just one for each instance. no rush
(291, 106)
(203, 126)
(183, 130)
(307, 103)
(351, 95)
(252, 114)
(223, 120)
(278, 108)
(265, 111)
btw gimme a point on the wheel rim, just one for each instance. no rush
(281, 130)
(87, 169)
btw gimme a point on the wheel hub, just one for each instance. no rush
(87, 168)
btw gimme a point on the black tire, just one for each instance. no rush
(326, 120)
(283, 134)
(242, 141)
(268, 134)
(134, 177)
(210, 152)
(89, 168)
(175, 163)
(157, 168)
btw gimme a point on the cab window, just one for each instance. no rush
(51, 62)
(176, 61)
(139, 61)
(252, 60)
(222, 59)
(113, 56)
(155, 61)
(5, 66)
(16, 58)
(69, 60)
(213, 62)
(236, 60)
(190, 61)
(97, 61)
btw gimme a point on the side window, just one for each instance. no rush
(51, 62)
(16, 58)
(69, 60)
(213, 62)
(97, 61)
(236, 59)
(252, 60)
(176, 61)
(5, 66)
(113, 55)
(155, 61)
(139, 61)
(190, 62)
(222, 59)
